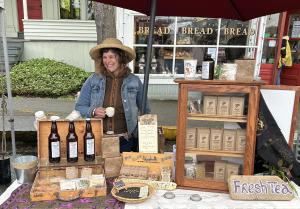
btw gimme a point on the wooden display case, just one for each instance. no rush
(46, 183)
(209, 167)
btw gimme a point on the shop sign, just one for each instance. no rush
(259, 188)
(197, 31)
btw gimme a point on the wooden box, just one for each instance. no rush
(45, 187)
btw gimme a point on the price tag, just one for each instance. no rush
(143, 192)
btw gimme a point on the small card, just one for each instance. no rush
(143, 192)
(71, 172)
(86, 172)
(119, 184)
(67, 185)
(83, 184)
(97, 181)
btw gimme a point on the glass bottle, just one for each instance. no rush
(72, 144)
(54, 144)
(89, 142)
(208, 67)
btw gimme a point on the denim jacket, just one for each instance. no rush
(92, 96)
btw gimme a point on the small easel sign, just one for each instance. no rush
(259, 188)
(148, 141)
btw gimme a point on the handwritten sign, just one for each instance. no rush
(259, 188)
(148, 142)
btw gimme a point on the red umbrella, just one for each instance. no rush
(230, 9)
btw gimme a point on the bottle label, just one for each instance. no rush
(90, 148)
(73, 149)
(205, 70)
(55, 149)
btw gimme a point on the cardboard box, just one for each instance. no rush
(229, 138)
(203, 135)
(216, 135)
(210, 105)
(241, 139)
(223, 107)
(237, 106)
(200, 170)
(190, 139)
(232, 169)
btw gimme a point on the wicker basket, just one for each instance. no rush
(151, 190)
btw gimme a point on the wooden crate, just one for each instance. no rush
(43, 187)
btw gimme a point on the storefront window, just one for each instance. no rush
(196, 31)
(90, 10)
(235, 32)
(163, 31)
(69, 9)
(195, 38)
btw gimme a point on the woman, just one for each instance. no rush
(113, 85)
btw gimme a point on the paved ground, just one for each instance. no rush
(24, 109)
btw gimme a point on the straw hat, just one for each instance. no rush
(112, 43)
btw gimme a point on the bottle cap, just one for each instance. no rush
(39, 114)
(54, 117)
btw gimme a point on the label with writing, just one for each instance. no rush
(73, 149)
(90, 148)
(148, 140)
(259, 188)
(55, 149)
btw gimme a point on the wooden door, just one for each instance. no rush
(34, 8)
(291, 75)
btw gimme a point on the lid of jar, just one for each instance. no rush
(39, 114)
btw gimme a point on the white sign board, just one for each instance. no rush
(148, 140)
(281, 105)
(296, 29)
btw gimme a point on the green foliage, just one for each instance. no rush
(45, 77)
(218, 71)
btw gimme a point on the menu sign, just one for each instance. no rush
(148, 142)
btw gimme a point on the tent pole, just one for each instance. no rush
(148, 56)
(8, 84)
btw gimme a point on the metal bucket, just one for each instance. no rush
(25, 168)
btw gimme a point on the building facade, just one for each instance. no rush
(64, 30)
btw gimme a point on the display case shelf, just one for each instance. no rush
(219, 153)
(225, 118)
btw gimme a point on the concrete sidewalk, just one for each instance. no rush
(24, 109)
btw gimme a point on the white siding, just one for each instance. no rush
(71, 30)
(71, 52)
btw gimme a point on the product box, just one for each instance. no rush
(110, 146)
(190, 139)
(223, 107)
(50, 176)
(219, 170)
(232, 169)
(210, 105)
(203, 135)
(229, 138)
(216, 135)
(237, 106)
(112, 166)
(200, 170)
(241, 139)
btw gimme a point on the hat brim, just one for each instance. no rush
(94, 52)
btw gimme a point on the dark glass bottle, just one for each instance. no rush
(72, 144)
(54, 144)
(208, 67)
(89, 142)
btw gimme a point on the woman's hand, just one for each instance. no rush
(99, 112)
